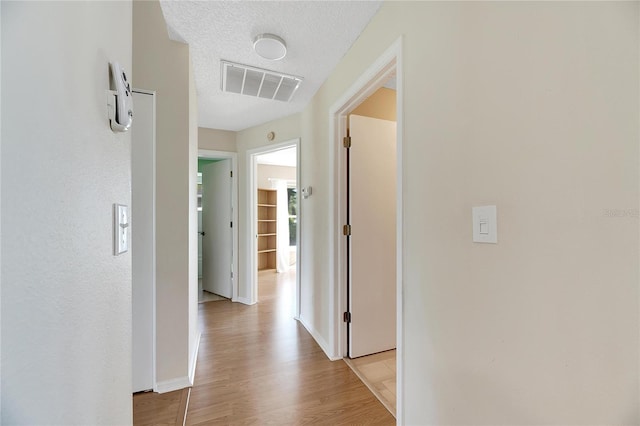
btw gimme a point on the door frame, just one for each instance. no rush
(252, 255)
(225, 155)
(384, 67)
(152, 93)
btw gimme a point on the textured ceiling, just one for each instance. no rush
(317, 33)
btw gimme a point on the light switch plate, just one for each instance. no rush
(485, 224)
(120, 229)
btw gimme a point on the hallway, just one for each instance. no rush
(257, 365)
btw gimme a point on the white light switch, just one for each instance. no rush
(485, 224)
(120, 229)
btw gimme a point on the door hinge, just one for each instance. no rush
(231, 225)
(231, 173)
(347, 141)
(346, 317)
(346, 230)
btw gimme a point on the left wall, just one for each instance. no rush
(66, 299)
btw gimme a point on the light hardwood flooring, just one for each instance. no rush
(154, 409)
(257, 365)
(378, 372)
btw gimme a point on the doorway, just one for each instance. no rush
(388, 65)
(274, 240)
(217, 226)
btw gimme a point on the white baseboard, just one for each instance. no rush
(194, 359)
(319, 339)
(181, 382)
(173, 384)
(243, 300)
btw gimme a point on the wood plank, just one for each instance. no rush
(151, 409)
(257, 365)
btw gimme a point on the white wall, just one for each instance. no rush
(216, 140)
(66, 299)
(164, 66)
(533, 107)
(267, 171)
(194, 332)
(0, 212)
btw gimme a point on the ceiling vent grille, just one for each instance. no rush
(256, 82)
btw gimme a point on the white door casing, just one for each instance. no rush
(251, 259)
(143, 241)
(372, 207)
(217, 243)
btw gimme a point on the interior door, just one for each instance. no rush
(372, 244)
(217, 243)
(143, 239)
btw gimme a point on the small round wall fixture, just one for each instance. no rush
(270, 46)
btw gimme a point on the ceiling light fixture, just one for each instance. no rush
(270, 46)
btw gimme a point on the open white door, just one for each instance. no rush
(217, 242)
(143, 240)
(372, 216)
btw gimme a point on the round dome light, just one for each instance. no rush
(270, 46)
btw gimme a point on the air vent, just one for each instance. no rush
(256, 82)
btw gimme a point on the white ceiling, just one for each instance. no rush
(317, 33)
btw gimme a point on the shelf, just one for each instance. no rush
(267, 231)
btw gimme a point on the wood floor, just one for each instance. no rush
(257, 365)
(155, 409)
(378, 372)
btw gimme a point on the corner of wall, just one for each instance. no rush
(163, 65)
(194, 334)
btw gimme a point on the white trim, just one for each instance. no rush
(153, 239)
(210, 154)
(173, 384)
(194, 360)
(319, 339)
(374, 77)
(298, 295)
(252, 260)
(182, 382)
(400, 337)
(243, 300)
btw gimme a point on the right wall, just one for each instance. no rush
(532, 107)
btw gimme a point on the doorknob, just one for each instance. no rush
(201, 233)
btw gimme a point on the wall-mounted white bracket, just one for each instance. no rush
(111, 106)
